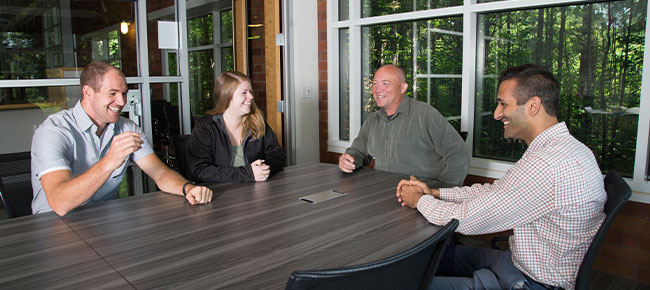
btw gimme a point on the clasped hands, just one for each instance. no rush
(261, 171)
(410, 191)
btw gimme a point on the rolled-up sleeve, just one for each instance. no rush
(49, 147)
(146, 148)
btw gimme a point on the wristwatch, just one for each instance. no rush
(186, 183)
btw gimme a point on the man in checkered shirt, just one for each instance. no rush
(552, 198)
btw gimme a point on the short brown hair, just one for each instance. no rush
(93, 74)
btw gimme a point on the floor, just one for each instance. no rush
(599, 280)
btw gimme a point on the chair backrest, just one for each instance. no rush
(15, 183)
(618, 192)
(181, 150)
(412, 269)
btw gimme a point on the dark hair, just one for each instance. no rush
(534, 80)
(93, 74)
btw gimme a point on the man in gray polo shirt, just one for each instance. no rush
(80, 155)
(406, 136)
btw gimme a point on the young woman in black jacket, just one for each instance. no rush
(232, 143)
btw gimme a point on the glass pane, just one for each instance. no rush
(344, 84)
(126, 188)
(226, 26)
(596, 53)
(41, 43)
(371, 8)
(199, 31)
(172, 64)
(165, 121)
(430, 61)
(158, 11)
(201, 81)
(444, 95)
(113, 45)
(23, 109)
(227, 59)
(344, 9)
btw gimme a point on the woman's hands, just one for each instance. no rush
(261, 171)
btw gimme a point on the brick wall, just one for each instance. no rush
(325, 156)
(626, 250)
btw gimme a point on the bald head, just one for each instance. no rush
(393, 70)
(388, 87)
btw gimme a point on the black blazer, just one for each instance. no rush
(210, 152)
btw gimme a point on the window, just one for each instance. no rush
(106, 47)
(210, 53)
(428, 51)
(55, 42)
(371, 8)
(453, 53)
(596, 53)
(52, 35)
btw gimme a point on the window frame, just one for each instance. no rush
(470, 66)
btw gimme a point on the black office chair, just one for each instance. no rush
(618, 192)
(181, 150)
(15, 184)
(412, 269)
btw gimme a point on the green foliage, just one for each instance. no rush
(596, 53)
(199, 31)
(377, 8)
(201, 81)
(21, 56)
(436, 47)
(202, 62)
(226, 26)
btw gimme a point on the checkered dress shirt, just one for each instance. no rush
(552, 198)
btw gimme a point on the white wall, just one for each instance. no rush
(303, 35)
(17, 129)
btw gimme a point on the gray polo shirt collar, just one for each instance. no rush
(404, 107)
(84, 123)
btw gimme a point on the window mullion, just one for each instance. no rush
(356, 89)
(469, 74)
(216, 39)
(333, 78)
(643, 130)
(356, 81)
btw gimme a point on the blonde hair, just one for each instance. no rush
(224, 88)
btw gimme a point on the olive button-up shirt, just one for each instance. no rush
(416, 140)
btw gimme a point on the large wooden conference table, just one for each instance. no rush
(252, 235)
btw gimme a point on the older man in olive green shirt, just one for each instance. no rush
(406, 136)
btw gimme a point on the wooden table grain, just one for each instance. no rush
(42, 252)
(252, 235)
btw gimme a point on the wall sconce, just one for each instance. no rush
(124, 26)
